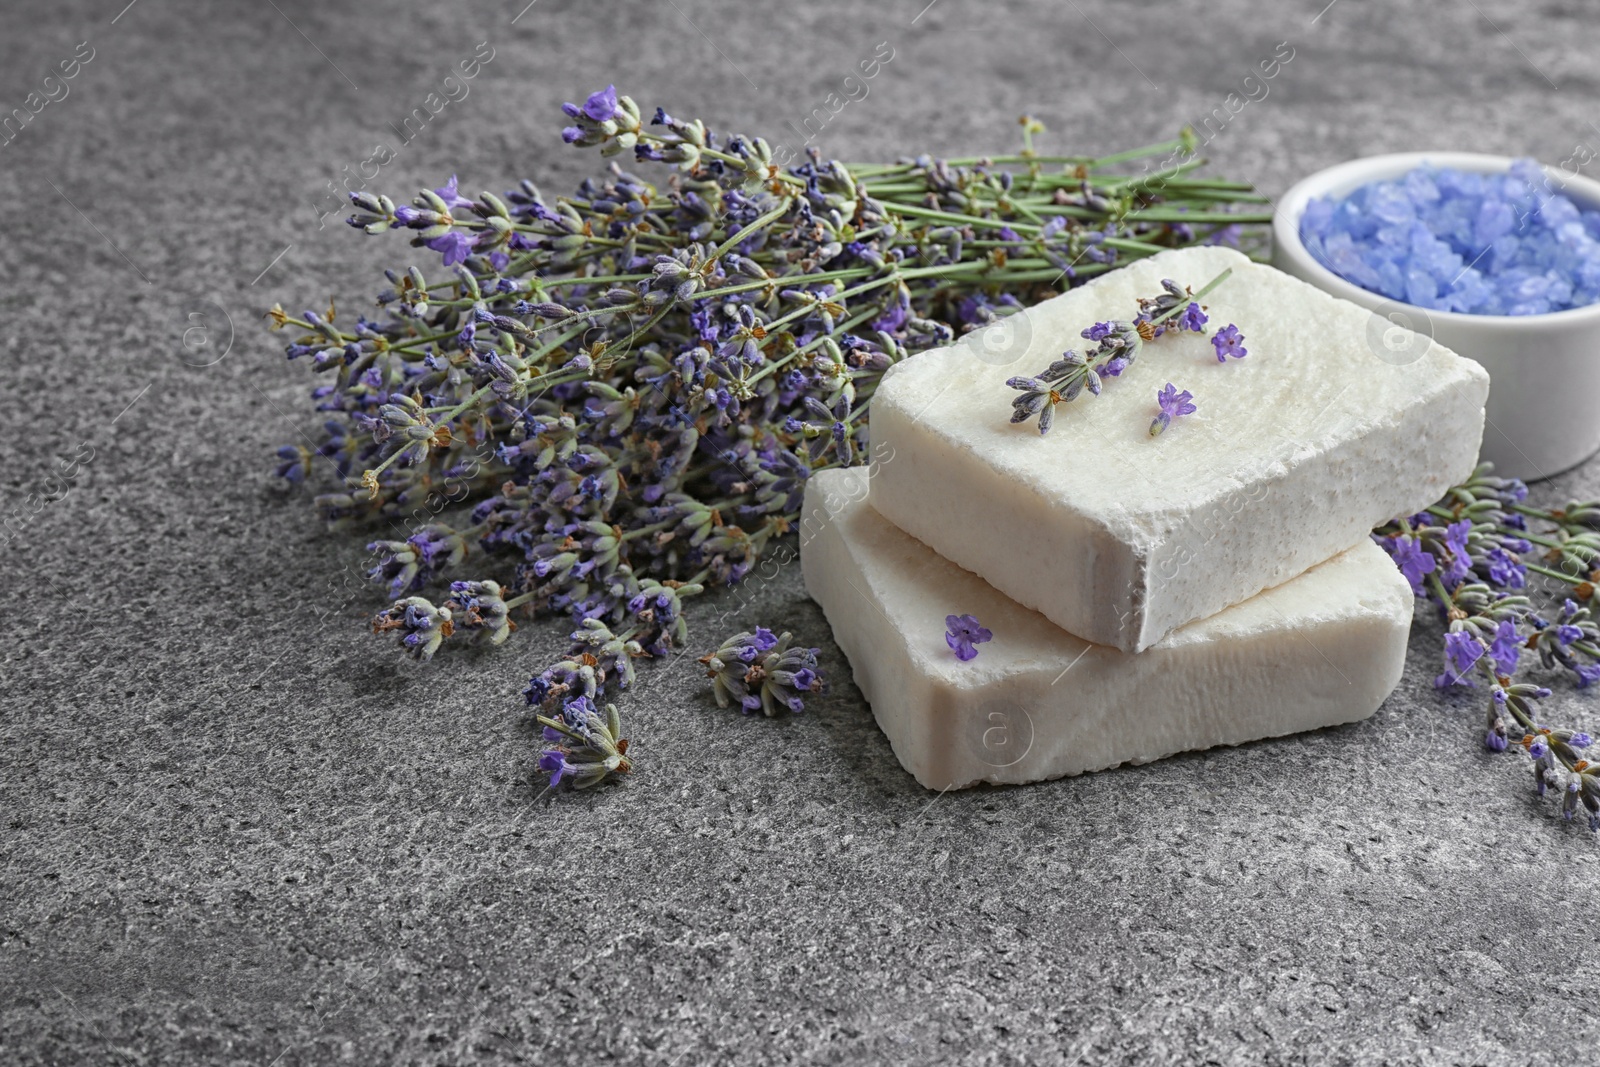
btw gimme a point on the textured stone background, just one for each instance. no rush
(235, 833)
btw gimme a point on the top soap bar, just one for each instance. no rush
(1336, 421)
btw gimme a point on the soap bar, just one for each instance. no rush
(1324, 648)
(1329, 426)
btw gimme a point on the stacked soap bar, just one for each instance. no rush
(1294, 454)
(1147, 595)
(1037, 702)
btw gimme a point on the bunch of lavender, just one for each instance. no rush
(611, 401)
(1466, 555)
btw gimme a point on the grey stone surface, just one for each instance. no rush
(235, 833)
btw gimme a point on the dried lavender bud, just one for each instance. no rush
(763, 673)
(480, 609)
(583, 748)
(422, 627)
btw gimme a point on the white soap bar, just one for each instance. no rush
(1296, 451)
(1036, 703)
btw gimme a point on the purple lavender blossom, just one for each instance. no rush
(1463, 651)
(1172, 404)
(422, 626)
(1413, 560)
(1228, 341)
(585, 747)
(455, 245)
(1193, 318)
(602, 104)
(1506, 648)
(1505, 569)
(763, 673)
(758, 644)
(1460, 565)
(553, 761)
(963, 633)
(450, 194)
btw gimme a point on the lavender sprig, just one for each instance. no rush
(763, 673)
(1117, 346)
(583, 748)
(1466, 554)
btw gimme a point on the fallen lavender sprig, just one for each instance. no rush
(1117, 346)
(1465, 554)
(763, 673)
(583, 749)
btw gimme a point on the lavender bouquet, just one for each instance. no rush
(611, 401)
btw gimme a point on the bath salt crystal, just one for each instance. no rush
(1292, 455)
(1036, 702)
(1453, 240)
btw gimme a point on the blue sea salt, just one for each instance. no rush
(1452, 240)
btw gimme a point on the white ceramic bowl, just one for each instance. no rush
(1544, 397)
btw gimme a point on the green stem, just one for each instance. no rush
(1439, 590)
(1193, 297)
(1570, 579)
(485, 390)
(759, 224)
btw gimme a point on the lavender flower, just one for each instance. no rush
(455, 246)
(407, 566)
(1193, 319)
(1457, 557)
(1172, 404)
(963, 633)
(1506, 648)
(602, 105)
(480, 609)
(1228, 341)
(583, 748)
(1462, 650)
(422, 627)
(1503, 568)
(450, 194)
(1464, 539)
(1414, 562)
(763, 673)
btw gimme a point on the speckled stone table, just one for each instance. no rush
(235, 833)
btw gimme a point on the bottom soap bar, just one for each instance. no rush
(1324, 648)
